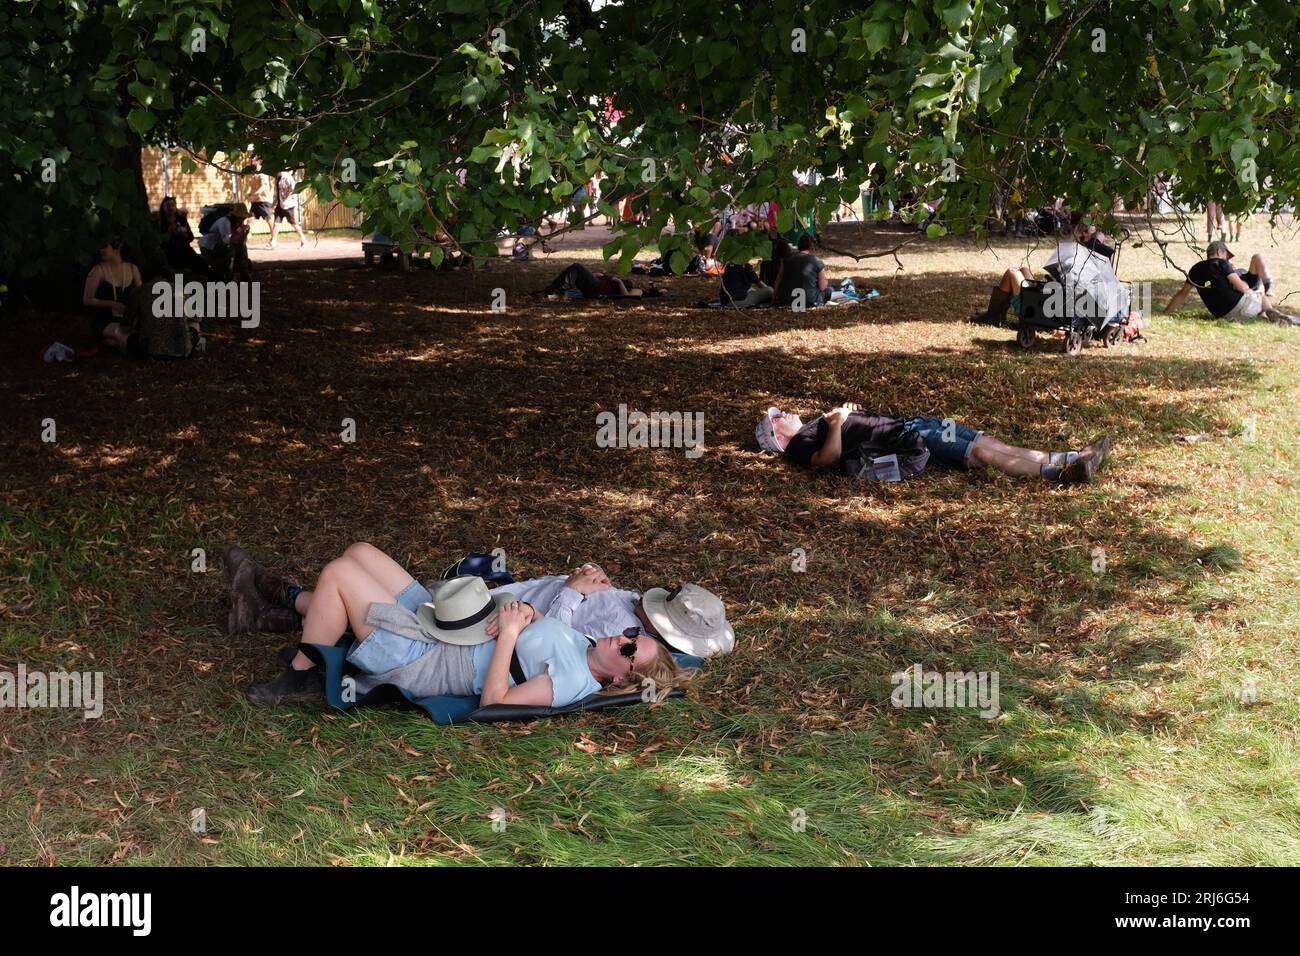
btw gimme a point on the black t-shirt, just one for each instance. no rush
(801, 272)
(736, 280)
(1211, 280)
(874, 434)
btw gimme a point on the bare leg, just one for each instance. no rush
(1260, 268)
(1013, 279)
(1000, 298)
(1008, 459)
(341, 600)
(380, 566)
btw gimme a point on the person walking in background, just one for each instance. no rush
(287, 207)
(259, 195)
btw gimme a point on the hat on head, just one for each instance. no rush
(1217, 246)
(765, 432)
(690, 619)
(460, 610)
(238, 211)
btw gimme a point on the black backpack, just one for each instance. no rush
(211, 214)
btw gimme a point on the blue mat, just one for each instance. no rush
(453, 709)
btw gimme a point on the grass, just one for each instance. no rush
(1127, 734)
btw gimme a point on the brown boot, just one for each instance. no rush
(278, 620)
(231, 560)
(245, 603)
(274, 587)
(999, 302)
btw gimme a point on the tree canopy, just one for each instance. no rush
(467, 116)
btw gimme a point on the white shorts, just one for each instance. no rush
(1248, 306)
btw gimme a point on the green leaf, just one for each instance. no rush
(141, 120)
(471, 94)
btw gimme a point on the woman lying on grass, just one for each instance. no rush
(433, 645)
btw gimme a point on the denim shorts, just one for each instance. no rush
(383, 650)
(953, 453)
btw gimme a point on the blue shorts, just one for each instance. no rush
(383, 650)
(951, 450)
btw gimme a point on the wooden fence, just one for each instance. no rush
(164, 175)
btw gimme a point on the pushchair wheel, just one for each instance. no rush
(1073, 342)
(1113, 336)
(1026, 338)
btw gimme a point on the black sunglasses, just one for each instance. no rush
(629, 650)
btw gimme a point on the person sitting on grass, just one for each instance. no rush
(110, 285)
(432, 644)
(688, 618)
(225, 246)
(876, 447)
(120, 317)
(742, 288)
(1230, 293)
(801, 281)
(176, 238)
(598, 285)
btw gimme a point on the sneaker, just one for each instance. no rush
(291, 687)
(1077, 472)
(1096, 451)
(201, 345)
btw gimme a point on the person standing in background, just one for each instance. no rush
(287, 207)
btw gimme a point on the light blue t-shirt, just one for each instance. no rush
(545, 646)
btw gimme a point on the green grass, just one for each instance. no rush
(1125, 736)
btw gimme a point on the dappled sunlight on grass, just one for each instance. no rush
(1121, 690)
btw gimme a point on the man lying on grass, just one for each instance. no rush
(877, 448)
(435, 644)
(688, 618)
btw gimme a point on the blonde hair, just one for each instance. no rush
(661, 675)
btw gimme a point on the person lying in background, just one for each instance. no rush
(437, 643)
(119, 316)
(880, 448)
(577, 278)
